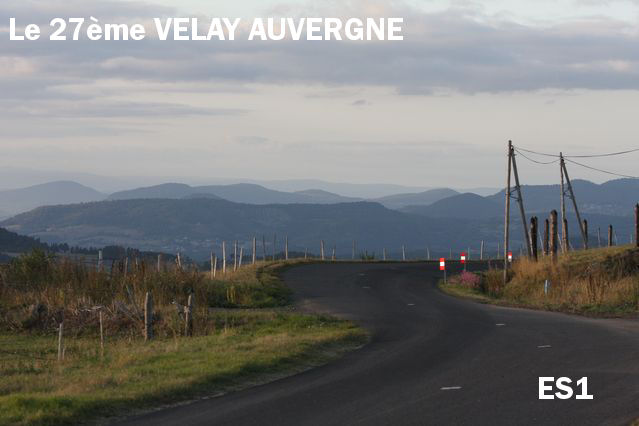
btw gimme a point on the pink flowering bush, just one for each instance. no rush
(466, 279)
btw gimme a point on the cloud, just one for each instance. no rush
(361, 102)
(456, 50)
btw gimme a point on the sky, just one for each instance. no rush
(435, 109)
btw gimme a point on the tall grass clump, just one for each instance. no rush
(39, 290)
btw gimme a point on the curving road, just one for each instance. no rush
(435, 360)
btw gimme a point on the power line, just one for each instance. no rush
(610, 154)
(602, 171)
(535, 161)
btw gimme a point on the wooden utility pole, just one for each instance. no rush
(148, 317)
(637, 224)
(564, 231)
(553, 235)
(254, 251)
(571, 194)
(507, 212)
(533, 236)
(566, 243)
(520, 200)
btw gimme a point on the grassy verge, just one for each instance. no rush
(243, 335)
(599, 282)
(36, 389)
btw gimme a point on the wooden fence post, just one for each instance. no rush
(384, 254)
(427, 253)
(224, 257)
(403, 253)
(553, 235)
(100, 260)
(566, 246)
(264, 248)
(637, 225)
(159, 263)
(610, 240)
(214, 266)
(322, 249)
(333, 256)
(188, 316)
(239, 265)
(533, 236)
(546, 239)
(101, 335)
(586, 238)
(60, 341)
(254, 255)
(481, 250)
(305, 253)
(235, 255)
(286, 248)
(148, 317)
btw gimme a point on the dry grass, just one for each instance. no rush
(599, 281)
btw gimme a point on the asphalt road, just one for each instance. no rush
(424, 342)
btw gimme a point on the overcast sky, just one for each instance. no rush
(436, 109)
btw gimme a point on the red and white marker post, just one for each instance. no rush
(510, 257)
(442, 267)
(462, 259)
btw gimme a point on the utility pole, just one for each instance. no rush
(564, 174)
(520, 200)
(564, 232)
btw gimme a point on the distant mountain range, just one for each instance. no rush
(464, 206)
(399, 201)
(239, 193)
(197, 226)
(61, 192)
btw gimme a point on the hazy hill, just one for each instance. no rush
(399, 201)
(62, 192)
(466, 206)
(616, 197)
(239, 193)
(196, 226)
